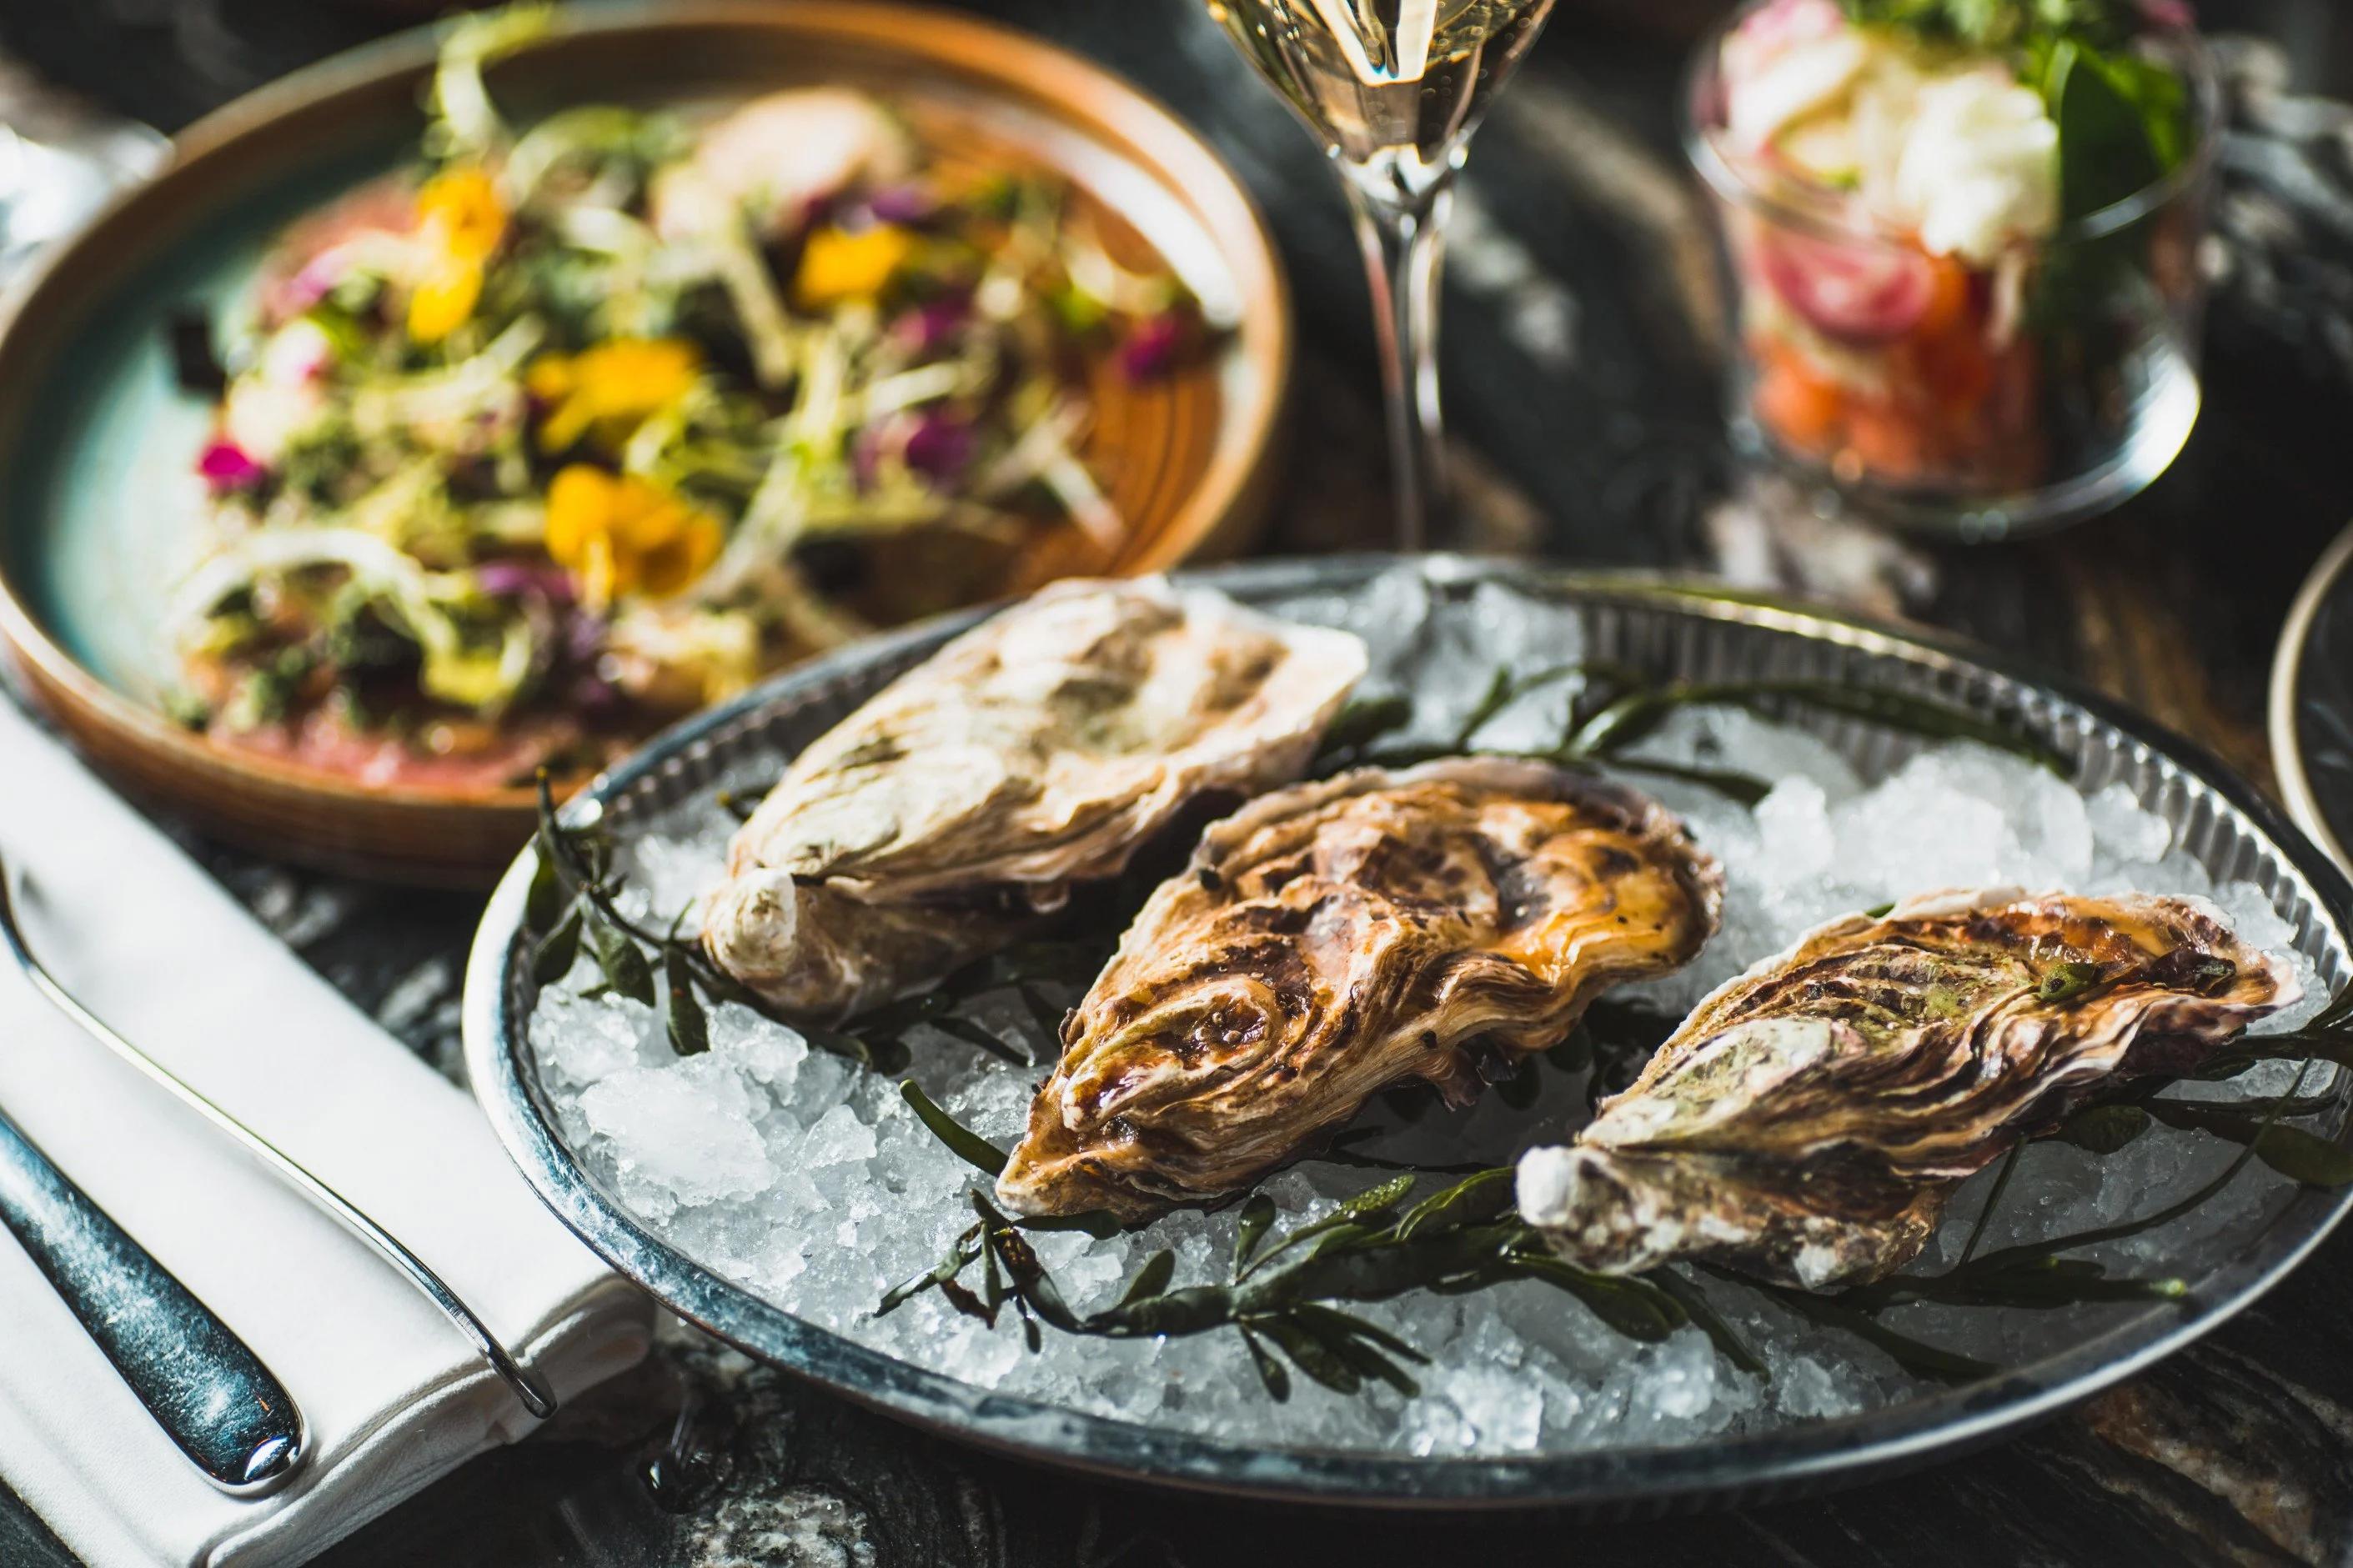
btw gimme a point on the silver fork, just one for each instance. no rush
(528, 1386)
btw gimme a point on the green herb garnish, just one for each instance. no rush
(2123, 118)
(1998, 24)
(572, 907)
(1371, 1249)
(2123, 123)
(967, 1145)
(1615, 708)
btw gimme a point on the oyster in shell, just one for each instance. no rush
(1038, 751)
(1336, 937)
(1808, 1120)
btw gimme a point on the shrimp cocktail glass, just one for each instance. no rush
(1394, 88)
(1962, 238)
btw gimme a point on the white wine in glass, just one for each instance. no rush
(1394, 88)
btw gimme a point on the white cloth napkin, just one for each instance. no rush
(394, 1397)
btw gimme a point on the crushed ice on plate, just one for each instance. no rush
(808, 1183)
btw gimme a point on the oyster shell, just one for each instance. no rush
(1337, 937)
(1808, 1120)
(1038, 749)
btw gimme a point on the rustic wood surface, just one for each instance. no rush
(1579, 366)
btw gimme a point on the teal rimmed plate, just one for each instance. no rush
(98, 498)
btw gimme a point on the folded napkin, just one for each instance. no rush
(394, 1396)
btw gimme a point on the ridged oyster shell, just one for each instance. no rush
(1038, 751)
(1809, 1119)
(1337, 937)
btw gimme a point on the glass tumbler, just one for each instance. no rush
(1972, 401)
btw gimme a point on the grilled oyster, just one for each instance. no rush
(1809, 1119)
(1038, 751)
(1337, 937)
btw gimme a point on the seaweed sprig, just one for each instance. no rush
(2260, 1123)
(2038, 1274)
(1615, 708)
(1283, 1290)
(574, 907)
(1024, 970)
(1464, 1239)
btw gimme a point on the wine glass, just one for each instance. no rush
(1394, 88)
(60, 160)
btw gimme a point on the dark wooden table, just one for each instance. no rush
(1580, 369)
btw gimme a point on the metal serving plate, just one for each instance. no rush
(1679, 629)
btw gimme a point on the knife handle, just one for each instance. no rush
(203, 1384)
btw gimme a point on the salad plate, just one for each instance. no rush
(755, 1186)
(113, 441)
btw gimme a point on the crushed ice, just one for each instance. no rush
(809, 1184)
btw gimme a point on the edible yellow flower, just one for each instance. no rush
(460, 208)
(460, 221)
(610, 390)
(619, 534)
(441, 302)
(838, 266)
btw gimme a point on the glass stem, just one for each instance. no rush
(1401, 227)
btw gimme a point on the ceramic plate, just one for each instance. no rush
(2312, 703)
(96, 495)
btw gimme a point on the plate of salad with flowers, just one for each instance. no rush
(478, 403)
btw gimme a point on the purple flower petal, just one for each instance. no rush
(583, 639)
(931, 327)
(939, 448)
(311, 282)
(1153, 345)
(226, 466)
(513, 579)
(902, 204)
